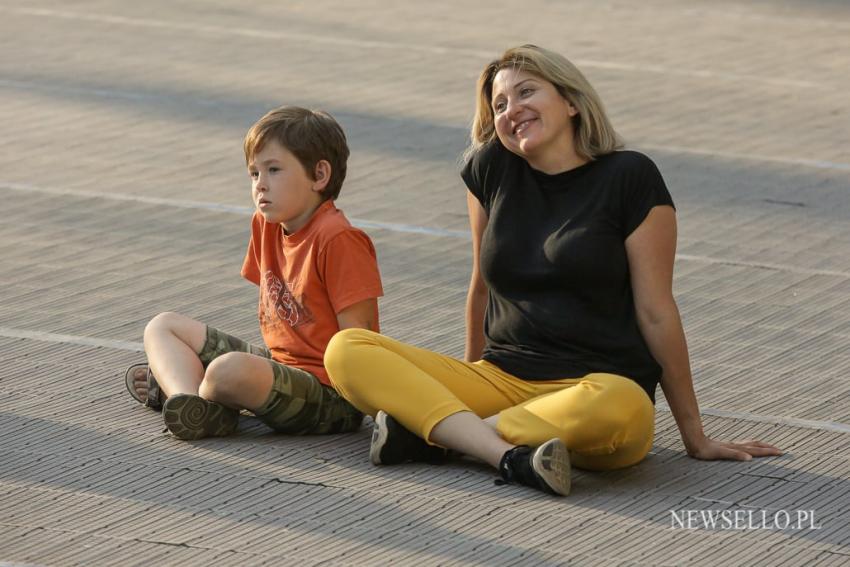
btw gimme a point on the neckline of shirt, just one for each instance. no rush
(564, 176)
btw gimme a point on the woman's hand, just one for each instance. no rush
(711, 450)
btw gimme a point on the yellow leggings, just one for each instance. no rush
(607, 421)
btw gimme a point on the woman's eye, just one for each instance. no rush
(526, 92)
(499, 106)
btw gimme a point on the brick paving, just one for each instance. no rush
(124, 194)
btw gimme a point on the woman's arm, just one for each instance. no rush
(476, 298)
(651, 251)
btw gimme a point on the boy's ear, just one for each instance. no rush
(321, 175)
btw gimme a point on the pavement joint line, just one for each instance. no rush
(764, 266)
(78, 340)
(70, 339)
(817, 164)
(395, 46)
(832, 426)
(378, 225)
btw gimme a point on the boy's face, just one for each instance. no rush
(283, 191)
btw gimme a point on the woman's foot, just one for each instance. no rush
(392, 444)
(545, 468)
(192, 417)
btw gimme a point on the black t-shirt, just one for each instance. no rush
(553, 256)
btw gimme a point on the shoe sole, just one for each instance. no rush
(551, 462)
(379, 438)
(191, 417)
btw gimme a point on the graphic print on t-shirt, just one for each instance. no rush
(278, 304)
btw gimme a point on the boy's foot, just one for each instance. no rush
(192, 417)
(392, 444)
(545, 468)
(143, 387)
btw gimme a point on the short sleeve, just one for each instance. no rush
(481, 172)
(251, 265)
(349, 267)
(643, 190)
(471, 175)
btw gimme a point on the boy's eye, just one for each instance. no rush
(274, 169)
(254, 174)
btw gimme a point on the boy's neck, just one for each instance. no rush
(293, 226)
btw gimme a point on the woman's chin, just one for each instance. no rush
(527, 147)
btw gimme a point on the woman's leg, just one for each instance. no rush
(440, 399)
(467, 433)
(606, 421)
(419, 388)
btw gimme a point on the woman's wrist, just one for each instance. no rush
(693, 438)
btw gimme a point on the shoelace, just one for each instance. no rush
(506, 469)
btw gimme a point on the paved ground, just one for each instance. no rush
(123, 194)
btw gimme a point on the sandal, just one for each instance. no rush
(155, 397)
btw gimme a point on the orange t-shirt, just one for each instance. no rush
(305, 279)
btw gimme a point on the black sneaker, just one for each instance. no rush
(545, 468)
(192, 417)
(392, 444)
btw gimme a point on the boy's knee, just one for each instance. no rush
(162, 323)
(222, 377)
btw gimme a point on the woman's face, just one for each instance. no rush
(531, 118)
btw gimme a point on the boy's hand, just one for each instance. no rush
(361, 315)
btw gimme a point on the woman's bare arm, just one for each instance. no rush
(476, 298)
(651, 250)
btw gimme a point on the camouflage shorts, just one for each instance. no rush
(299, 403)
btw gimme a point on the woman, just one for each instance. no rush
(571, 321)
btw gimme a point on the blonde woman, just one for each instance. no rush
(571, 320)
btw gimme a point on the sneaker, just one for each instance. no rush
(392, 444)
(192, 417)
(545, 468)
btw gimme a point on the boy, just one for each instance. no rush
(317, 275)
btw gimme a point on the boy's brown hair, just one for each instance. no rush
(311, 136)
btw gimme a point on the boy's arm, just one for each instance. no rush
(361, 315)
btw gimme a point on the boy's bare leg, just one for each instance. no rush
(238, 380)
(172, 344)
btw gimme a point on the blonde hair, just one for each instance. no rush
(593, 133)
(311, 136)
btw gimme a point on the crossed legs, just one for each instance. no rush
(606, 421)
(173, 344)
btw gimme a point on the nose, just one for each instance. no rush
(260, 183)
(512, 108)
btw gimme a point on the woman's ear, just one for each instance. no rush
(321, 175)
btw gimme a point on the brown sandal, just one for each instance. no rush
(155, 397)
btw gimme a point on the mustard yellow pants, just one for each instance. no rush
(606, 421)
